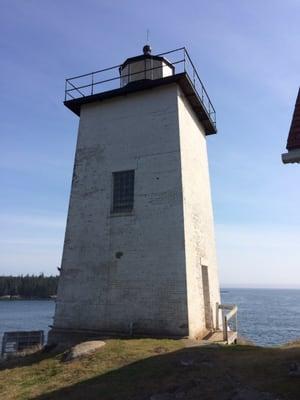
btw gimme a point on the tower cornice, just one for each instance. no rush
(182, 79)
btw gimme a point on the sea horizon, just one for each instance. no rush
(261, 287)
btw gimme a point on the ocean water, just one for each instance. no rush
(26, 315)
(265, 316)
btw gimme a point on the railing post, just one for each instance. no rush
(225, 329)
(3, 344)
(66, 85)
(217, 316)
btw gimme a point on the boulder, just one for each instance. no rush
(82, 349)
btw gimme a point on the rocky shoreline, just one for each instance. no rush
(10, 298)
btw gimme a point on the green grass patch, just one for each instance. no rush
(136, 369)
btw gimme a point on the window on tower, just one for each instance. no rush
(123, 191)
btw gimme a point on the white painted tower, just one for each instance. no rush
(139, 253)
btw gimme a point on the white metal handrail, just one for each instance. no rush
(228, 311)
(109, 78)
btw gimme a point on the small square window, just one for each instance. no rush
(123, 191)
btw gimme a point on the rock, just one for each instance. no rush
(177, 392)
(206, 364)
(294, 369)
(160, 350)
(162, 396)
(251, 394)
(83, 349)
(169, 396)
(198, 363)
(180, 395)
(292, 343)
(49, 347)
(186, 363)
(241, 340)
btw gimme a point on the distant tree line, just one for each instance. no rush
(29, 286)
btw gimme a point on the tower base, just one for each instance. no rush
(74, 336)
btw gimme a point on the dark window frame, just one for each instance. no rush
(123, 191)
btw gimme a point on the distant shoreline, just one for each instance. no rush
(17, 298)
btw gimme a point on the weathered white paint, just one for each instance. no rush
(156, 286)
(198, 220)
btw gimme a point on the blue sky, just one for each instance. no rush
(247, 54)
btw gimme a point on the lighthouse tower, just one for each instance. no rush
(139, 253)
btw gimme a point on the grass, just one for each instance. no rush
(139, 368)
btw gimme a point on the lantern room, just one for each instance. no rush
(145, 66)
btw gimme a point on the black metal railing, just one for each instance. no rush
(109, 78)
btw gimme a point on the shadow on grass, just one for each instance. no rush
(30, 359)
(192, 373)
(177, 373)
